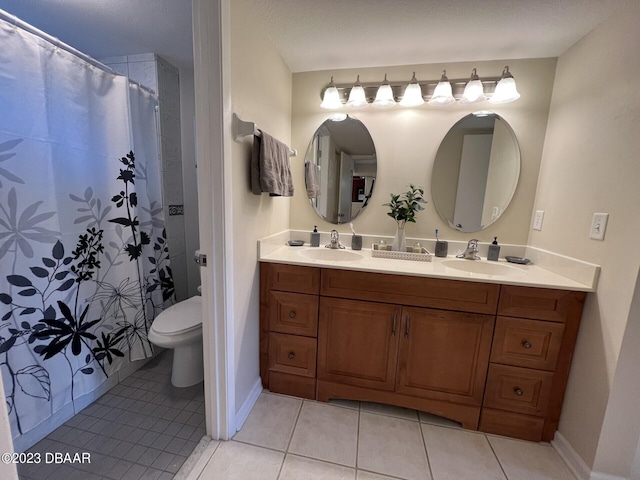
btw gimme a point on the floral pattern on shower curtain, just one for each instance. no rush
(84, 263)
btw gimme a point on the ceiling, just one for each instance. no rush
(332, 34)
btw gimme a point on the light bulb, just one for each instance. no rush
(331, 98)
(412, 94)
(506, 90)
(384, 96)
(357, 96)
(474, 90)
(443, 94)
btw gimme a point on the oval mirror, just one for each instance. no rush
(340, 169)
(475, 172)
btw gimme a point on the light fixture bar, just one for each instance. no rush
(428, 87)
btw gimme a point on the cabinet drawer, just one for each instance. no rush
(293, 313)
(511, 424)
(293, 278)
(519, 390)
(527, 343)
(414, 291)
(292, 354)
(294, 385)
(540, 303)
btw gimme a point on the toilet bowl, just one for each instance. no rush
(180, 327)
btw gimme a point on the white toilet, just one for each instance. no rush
(180, 327)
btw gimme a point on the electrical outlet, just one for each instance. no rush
(537, 220)
(598, 226)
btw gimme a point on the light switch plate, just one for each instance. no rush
(537, 220)
(598, 226)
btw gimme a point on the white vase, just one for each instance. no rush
(399, 242)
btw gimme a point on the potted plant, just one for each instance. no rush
(403, 208)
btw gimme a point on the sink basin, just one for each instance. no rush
(483, 267)
(328, 254)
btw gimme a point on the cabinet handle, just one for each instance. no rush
(526, 345)
(291, 355)
(395, 322)
(406, 326)
(518, 392)
(292, 314)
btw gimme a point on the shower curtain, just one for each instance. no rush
(83, 253)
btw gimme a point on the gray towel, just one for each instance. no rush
(270, 170)
(312, 179)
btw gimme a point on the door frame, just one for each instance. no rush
(211, 35)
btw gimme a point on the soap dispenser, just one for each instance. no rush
(494, 250)
(315, 237)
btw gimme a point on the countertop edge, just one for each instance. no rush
(537, 276)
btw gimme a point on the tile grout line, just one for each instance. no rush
(295, 424)
(424, 444)
(358, 438)
(497, 458)
(286, 452)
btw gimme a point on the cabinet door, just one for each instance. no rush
(444, 355)
(358, 343)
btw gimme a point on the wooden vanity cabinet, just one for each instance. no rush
(289, 328)
(533, 344)
(492, 357)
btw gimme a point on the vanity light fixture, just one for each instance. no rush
(412, 94)
(384, 97)
(357, 96)
(331, 99)
(442, 95)
(498, 90)
(506, 89)
(474, 91)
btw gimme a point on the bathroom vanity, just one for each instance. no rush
(493, 356)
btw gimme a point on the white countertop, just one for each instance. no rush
(530, 275)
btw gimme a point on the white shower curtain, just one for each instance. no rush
(83, 255)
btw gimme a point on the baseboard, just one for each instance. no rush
(247, 405)
(575, 462)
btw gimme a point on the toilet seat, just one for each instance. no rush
(180, 318)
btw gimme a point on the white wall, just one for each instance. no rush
(260, 93)
(407, 140)
(590, 164)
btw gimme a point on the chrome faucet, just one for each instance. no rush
(471, 253)
(335, 241)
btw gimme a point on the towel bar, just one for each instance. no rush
(241, 129)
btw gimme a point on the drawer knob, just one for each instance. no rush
(291, 355)
(292, 314)
(526, 345)
(518, 392)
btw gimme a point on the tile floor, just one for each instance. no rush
(286, 438)
(144, 428)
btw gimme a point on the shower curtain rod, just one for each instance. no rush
(60, 44)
